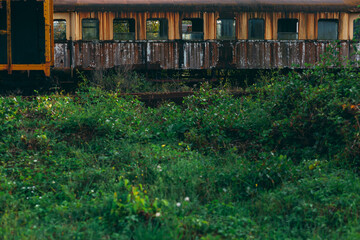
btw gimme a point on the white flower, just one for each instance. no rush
(53, 181)
(40, 197)
(224, 189)
(35, 160)
(37, 205)
(178, 204)
(157, 214)
(92, 191)
(187, 199)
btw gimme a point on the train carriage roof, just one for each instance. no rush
(238, 5)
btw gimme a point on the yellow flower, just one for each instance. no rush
(256, 185)
(163, 145)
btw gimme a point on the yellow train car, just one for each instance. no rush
(26, 37)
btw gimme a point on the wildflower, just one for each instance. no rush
(92, 190)
(180, 143)
(163, 145)
(53, 181)
(256, 185)
(187, 199)
(178, 204)
(224, 189)
(37, 205)
(157, 214)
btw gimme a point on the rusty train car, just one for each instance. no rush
(26, 37)
(201, 34)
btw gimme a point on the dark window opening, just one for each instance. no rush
(124, 29)
(192, 29)
(356, 29)
(156, 29)
(256, 29)
(3, 37)
(328, 29)
(225, 29)
(59, 29)
(288, 29)
(90, 29)
(27, 32)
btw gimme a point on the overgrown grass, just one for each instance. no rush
(279, 164)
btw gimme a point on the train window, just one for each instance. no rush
(90, 29)
(192, 29)
(225, 29)
(256, 28)
(59, 29)
(356, 29)
(328, 29)
(124, 29)
(156, 29)
(288, 29)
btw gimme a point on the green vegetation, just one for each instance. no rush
(279, 164)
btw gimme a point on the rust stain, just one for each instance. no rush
(179, 55)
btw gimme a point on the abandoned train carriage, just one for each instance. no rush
(26, 39)
(201, 34)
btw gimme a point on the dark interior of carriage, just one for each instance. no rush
(3, 43)
(27, 32)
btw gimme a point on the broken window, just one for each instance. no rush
(124, 29)
(90, 29)
(356, 29)
(288, 29)
(156, 29)
(328, 29)
(192, 29)
(225, 29)
(59, 29)
(256, 29)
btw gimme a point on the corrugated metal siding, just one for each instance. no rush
(177, 55)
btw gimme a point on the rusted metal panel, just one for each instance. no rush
(176, 55)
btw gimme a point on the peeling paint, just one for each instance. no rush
(179, 55)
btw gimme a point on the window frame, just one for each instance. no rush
(230, 38)
(356, 29)
(287, 33)
(97, 29)
(163, 30)
(132, 29)
(193, 35)
(65, 33)
(328, 20)
(263, 28)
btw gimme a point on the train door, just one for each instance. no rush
(27, 32)
(3, 33)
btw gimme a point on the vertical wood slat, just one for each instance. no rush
(307, 23)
